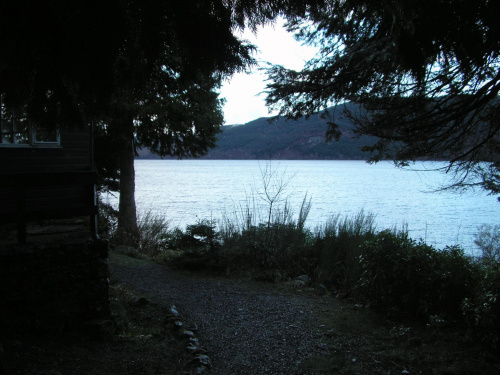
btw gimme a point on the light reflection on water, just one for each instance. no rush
(186, 190)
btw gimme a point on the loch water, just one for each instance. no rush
(184, 191)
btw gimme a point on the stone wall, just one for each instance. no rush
(53, 286)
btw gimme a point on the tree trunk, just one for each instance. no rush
(127, 230)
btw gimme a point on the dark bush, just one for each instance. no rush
(401, 274)
(482, 310)
(200, 244)
(281, 246)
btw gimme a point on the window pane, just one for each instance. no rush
(6, 138)
(44, 136)
(20, 126)
(5, 127)
(21, 139)
(16, 130)
(6, 130)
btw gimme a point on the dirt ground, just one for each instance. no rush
(137, 341)
(244, 327)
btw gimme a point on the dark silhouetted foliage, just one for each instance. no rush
(427, 72)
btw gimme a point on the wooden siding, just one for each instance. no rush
(72, 155)
(26, 197)
(46, 191)
(47, 182)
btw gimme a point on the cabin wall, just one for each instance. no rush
(43, 196)
(73, 154)
(60, 280)
(50, 199)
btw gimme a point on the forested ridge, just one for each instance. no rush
(286, 139)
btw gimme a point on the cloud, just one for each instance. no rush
(275, 45)
(244, 100)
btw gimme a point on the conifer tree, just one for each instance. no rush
(426, 74)
(145, 73)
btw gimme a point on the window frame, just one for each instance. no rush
(36, 143)
(8, 130)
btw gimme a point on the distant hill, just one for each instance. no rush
(282, 139)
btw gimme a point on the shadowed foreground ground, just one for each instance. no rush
(255, 328)
(244, 327)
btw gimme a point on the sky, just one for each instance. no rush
(275, 45)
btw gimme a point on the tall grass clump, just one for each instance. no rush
(337, 244)
(154, 234)
(263, 234)
(278, 242)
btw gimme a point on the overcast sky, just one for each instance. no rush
(275, 45)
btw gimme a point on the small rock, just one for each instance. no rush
(192, 348)
(178, 324)
(188, 334)
(174, 311)
(203, 360)
(299, 283)
(194, 341)
(304, 278)
(405, 372)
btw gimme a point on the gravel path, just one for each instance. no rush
(245, 330)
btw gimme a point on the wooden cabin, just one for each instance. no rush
(45, 175)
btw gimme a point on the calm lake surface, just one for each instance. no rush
(184, 191)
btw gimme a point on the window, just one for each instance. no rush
(15, 130)
(45, 138)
